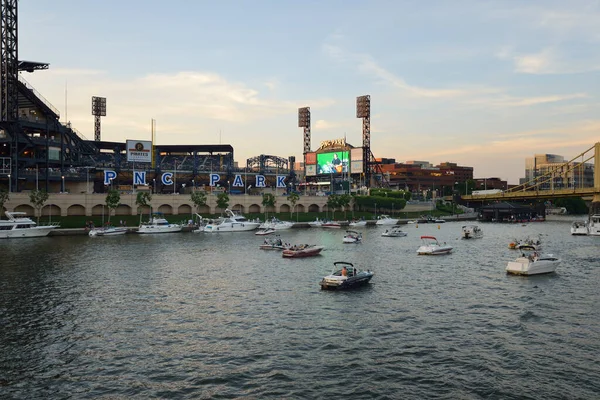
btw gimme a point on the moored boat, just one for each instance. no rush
(358, 224)
(532, 263)
(345, 276)
(331, 224)
(108, 231)
(594, 225)
(19, 225)
(432, 247)
(158, 224)
(303, 250)
(231, 222)
(264, 232)
(386, 220)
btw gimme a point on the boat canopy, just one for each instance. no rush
(429, 237)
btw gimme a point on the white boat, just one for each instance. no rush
(331, 224)
(276, 224)
(352, 237)
(532, 263)
(386, 220)
(107, 231)
(579, 228)
(394, 232)
(471, 232)
(273, 244)
(594, 225)
(358, 224)
(316, 223)
(158, 224)
(18, 225)
(264, 232)
(303, 250)
(432, 247)
(231, 222)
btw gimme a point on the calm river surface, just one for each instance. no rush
(212, 316)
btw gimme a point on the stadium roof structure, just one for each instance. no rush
(169, 148)
(188, 148)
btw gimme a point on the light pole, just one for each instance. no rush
(193, 186)
(228, 188)
(63, 184)
(111, 185)
(9, 184)
(153, 186)
(175, 177)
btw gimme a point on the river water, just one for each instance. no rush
(212, 316)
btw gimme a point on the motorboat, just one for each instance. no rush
(529, 242)
(386, 220)
(471, 232)
(532, 263)
(158, 224)
(358, 224)
(579, 228)
(273, 244)
(431, 246)
(18, 225)
(439, 220)
(231, 222)
(331, 224)
(264, 232)
(594, 225)
(108, 231)
(345, 276)
(316, 223)
(303, 250)
(352, 237)
(396, 231)
(276, 224)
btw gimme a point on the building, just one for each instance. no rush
(555, 173)
(422, 178)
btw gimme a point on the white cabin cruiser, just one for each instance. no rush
(594, 225)
(471, 232)
(19, 225)
(396, 231)
(432, 247)
(386, 220)
(352, 237)
(579, 228)
(358, 224)
(158, 224)
(532, 263)
(276, 224)
(232, 222)
(316, 223)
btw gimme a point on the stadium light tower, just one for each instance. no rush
(304, 122)
(98, 110)
(363, 110)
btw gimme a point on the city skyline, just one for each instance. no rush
(478, 84)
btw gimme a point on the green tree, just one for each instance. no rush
(333, 202)
(223, 200)
(268, 200)
(293, 198)
(199, 199)
(38, 198)
(113, 199)
(4, 197)
(142, 199)
(343, 202)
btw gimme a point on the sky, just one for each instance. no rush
(481, 84)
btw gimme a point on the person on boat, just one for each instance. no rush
(344, 271)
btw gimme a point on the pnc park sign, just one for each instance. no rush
(167, 178)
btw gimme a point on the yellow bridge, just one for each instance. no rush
(542, 187)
